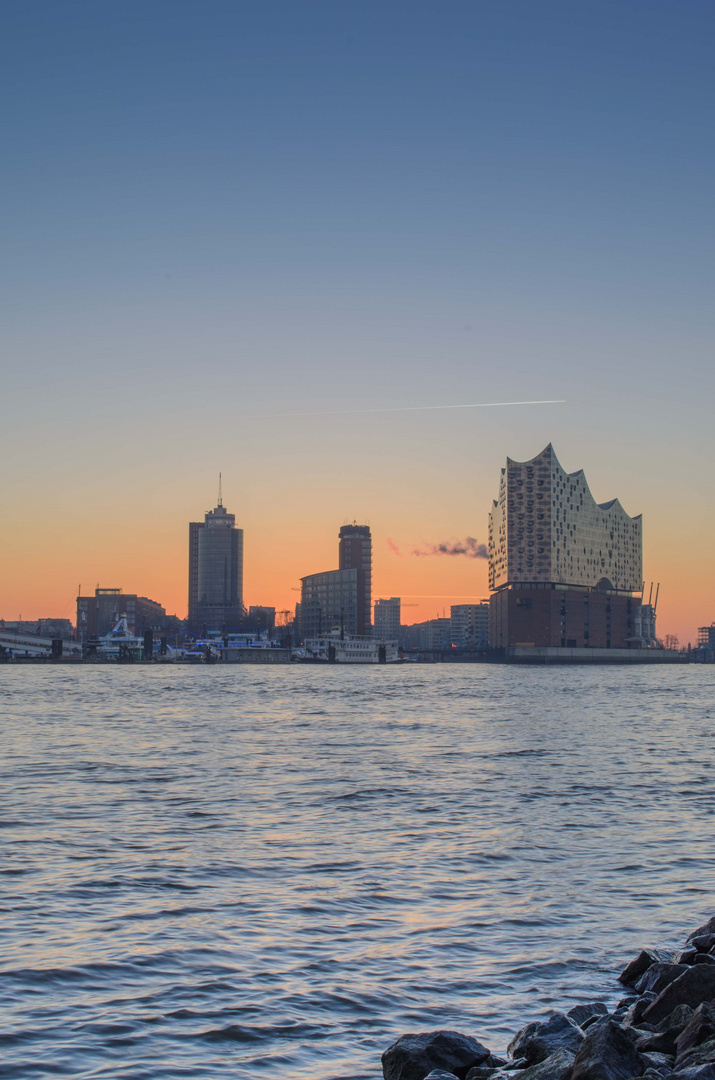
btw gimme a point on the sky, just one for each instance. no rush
(229, 228)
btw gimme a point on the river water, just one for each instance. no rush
(225, 872)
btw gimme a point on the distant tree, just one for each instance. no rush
(671, 641)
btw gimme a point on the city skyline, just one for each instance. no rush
(275, 254)
(459, 554)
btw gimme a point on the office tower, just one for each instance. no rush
(329, 601)
(564, 568)
(215, 572)
(355, 553)
(386, 624)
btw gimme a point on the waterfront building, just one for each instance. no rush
(215, 572)
(386, 623)
(355, 553)
(98, 614)
(261, 618)
(564, 569)
(469, 626)
(329, 601)
(48, 628)
(340, 599)
(430, 636)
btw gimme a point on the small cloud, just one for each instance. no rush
(392, 546)
(469, 547)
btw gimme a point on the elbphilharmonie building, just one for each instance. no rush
(563, 569)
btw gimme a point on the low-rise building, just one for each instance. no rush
(469, 626)
(98, 614)
(430, 636)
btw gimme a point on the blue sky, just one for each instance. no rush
(216, 210)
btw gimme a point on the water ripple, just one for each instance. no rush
(213, 871)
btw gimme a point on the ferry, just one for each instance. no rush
(339, 648)
(119, 644)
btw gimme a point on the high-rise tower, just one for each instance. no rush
(356, 554)
(215, 571)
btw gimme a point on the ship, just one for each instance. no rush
(339, 648)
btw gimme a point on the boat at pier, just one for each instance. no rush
(339, 648)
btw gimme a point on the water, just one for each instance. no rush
(213, 872)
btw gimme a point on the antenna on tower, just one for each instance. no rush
(220, 499)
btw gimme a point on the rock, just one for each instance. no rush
(538, 1041)
(697, 1072)
(554, 1067)
(659, 1042)
(697, 1055)
(638, 966)
(677, 1019)
(639, 1006)
(488, 1067)
(703, 942)
(440, 1074)
(696, 984)
(414, 1056)
(657, 977)
(706, 928)
(704, 958)
(581, 1013)
(606, 1053)
(659, 1063)
(699, 1029)
(685, 956)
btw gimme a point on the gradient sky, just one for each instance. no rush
(217, 212)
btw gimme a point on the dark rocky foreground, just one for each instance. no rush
(664, 1027)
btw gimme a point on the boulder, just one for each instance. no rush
(704, 1054)
(685, 956)
(440, 1074)
(635, 1012)
(657, 977)
(699, 1029)
(581, 1013)
(659, 1063)
(488, 1067)
(697, 1072)
(703, 942)
(659, 1042)
(640, 964)
(695, 985)
(706, 928)
(679, 1017)
(554, 1067)
(538, 1041)
(704, 958)
(415, 1056)
(606, 1053)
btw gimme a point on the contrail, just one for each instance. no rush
(409, 408)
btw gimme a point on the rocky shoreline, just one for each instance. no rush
(664, 1027)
